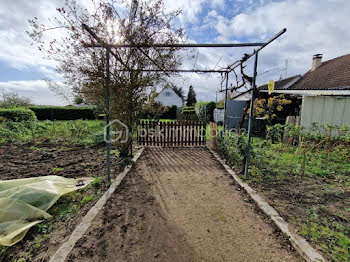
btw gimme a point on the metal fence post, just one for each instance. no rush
(108, 137)
(251, 116)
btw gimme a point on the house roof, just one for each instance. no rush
(333, 74)
(283, 83)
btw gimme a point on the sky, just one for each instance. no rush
(313, 27)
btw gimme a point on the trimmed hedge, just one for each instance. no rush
(188, 113)
(188, 110)
(204, 111)
(64, 112)
(17, 114)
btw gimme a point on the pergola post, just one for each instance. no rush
(225, 106)
(251, 117)
(108, 135)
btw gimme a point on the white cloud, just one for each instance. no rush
(36, 90)
(314, 26)
(16, 49)
(190, 9)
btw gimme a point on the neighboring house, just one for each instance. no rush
(324, 90)
(169, 97)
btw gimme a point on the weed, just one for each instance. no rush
(115, 152)
(56, 169)
(87, 199)
(64, 207)
(39, 239)
(44, 228)
(2, 252)
(34, 148)
(96, 182)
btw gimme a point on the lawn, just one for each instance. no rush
(308, 184)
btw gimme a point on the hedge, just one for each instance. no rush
(188, 110)
(170, 114)
(17, 114)
(64, 112)
(204, 111)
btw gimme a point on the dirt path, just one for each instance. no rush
(180, 205)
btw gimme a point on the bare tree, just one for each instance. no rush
(13, 98)
(141, 22)
(61, 90)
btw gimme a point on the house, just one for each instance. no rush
(169, 97)
(324, 91)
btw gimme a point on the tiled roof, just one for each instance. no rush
(333, 74)
(283, 83)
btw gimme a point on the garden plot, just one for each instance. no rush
(72, 161)
(180, 205)
(308, 185)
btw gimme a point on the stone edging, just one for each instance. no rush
(65, 249)
(299, 243)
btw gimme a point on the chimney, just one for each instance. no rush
(316, 61)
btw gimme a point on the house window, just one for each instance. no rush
(167, 93)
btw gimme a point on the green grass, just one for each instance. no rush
(76, 132)
(333, 236)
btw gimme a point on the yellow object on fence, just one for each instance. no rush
(24, 202)
(271, 86)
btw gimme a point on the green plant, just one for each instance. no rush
(268, 108)
(96, 182)
(204, 111)
(64, 112)
(2, 252)
(275, 132)
(78, 131)
(87, 199)
(56, 169)
(17, 114)
(191, 97)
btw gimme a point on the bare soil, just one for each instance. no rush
(73, 161)
(180, 205)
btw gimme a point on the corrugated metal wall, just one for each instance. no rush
(332, 110)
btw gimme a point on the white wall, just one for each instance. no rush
(171, 99)
(332, 110)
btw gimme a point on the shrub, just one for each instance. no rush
(275, 132)
(204, 111)
(188, 113)
(64, 112)
(17, 114)
(170, 113)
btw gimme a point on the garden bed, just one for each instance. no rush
(309, 186)
(72, 161)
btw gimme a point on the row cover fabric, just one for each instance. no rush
(24, 202)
